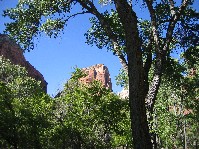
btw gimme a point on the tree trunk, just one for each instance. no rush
(139, 124)
(137, 93)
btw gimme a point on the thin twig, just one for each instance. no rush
(74, 15)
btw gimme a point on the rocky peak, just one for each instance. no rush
(97, 72)
(10, 50)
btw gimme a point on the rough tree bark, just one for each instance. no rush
(161, 50)
(139, 124)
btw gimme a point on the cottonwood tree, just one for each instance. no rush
(137, 43)
(24, 108)
(176, 110)
(84, 116)
(89, 116)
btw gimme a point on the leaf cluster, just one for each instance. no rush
(30, 18)
(94, 112)
(24, 108)
(89, 116)
(97, 35)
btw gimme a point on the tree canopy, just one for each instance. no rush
(144, 47)
(83, 116)
(24, 108)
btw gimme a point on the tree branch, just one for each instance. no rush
(172, 24)
(154, 86)
(153, 24)
(147, 65)
(74, 15)
(172, 7)
(121, 57)
(105, 24)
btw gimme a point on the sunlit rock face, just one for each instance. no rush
(97, 72)
(124, 94)
(10, 50)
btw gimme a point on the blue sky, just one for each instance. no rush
(56, 58)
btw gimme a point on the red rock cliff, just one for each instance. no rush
(10, 50)
(97, 72)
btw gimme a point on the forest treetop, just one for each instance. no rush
(143, 47)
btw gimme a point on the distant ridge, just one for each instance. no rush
(10, 50)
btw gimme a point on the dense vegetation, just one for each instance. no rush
(175, 119)
(91, 116)
(83, 116)
(160, 87)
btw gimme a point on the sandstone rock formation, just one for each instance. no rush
(124, 94)
(97, 72)
(10, 50)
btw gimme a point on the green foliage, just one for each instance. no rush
(122, 79)
(24, 108)
(176, 112)
(33, 17)
(97, 35)
(86, 113)
(191, 57)
(186, 31)
(91, 114)
(174, 119)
